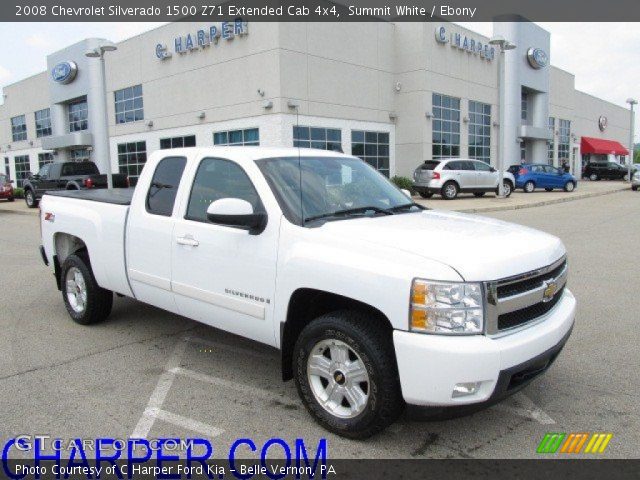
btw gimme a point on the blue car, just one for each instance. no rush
(530, 176)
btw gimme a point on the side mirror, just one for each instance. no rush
(406, 192)
(237, 213)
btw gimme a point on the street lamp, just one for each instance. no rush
(98, 52)
(631, 102)
(503, 45)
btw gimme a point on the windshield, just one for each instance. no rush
(332, 188)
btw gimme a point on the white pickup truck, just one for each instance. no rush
(374, 301)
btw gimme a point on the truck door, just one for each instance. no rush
(149, 232)
(44, 180)
(224, 276)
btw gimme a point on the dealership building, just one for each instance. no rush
(392, 94)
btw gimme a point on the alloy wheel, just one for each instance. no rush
(76, 289)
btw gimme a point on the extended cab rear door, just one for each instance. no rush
(224, 276)
(150, 231)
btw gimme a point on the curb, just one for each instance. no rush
(542, 203)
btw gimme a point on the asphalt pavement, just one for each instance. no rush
(150, 373)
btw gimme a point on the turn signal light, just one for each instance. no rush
(419, 319)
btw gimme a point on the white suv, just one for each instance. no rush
(450, 176)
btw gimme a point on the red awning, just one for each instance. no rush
(600, 146)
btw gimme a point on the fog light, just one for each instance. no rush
(464, 389)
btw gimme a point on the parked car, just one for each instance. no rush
(451, 176)
(67, 176)
(530, 176)
(373, 300)
(599, 170)
(635, 180)
(6, 188)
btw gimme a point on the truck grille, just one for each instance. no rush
(516, 301)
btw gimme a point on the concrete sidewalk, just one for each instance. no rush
(464, 203)
(489, 203)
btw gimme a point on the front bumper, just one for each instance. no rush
(431, 365)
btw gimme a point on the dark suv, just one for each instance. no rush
(596, 170)
(67, 176)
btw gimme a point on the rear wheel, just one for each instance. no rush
(529, 187)
(478, 194)
(593, 177)
(346, 374)
(425, 194)
(30, 199)
(569, 186)
(85, 300)
(449, 191)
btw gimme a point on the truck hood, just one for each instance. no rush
(479, 248)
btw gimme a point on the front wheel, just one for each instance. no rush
(569, 187)
(626, 178)
(30, 199)
(85, 300)
(346, 374)
(593, 177)
(529, 186)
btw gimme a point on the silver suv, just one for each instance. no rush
(451, 176)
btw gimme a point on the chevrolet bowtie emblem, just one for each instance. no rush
(550, 289)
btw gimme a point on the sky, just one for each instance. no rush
(604, 57)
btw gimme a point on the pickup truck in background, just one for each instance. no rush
(374, 301)
(67, 176)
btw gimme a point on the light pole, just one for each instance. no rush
(503, 45)
(98, 52)
(631, 102)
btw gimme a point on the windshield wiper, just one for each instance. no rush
(404, 206)
(349, 211)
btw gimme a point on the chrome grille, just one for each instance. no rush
(516, 301)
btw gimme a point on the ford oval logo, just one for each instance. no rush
(537, 58)
(64, 72)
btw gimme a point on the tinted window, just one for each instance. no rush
(537, 169)
(215, 179)
(44, 171)
(453, 166)
(482, 167)
(164, 185)
(81, 168)
(429, 165)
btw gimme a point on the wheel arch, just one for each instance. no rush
(307, 304)
(64, 245)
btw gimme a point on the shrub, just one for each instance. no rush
(18, 192)
(403, 182)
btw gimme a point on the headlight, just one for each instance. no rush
(446, 308)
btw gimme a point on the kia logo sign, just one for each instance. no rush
(64, 72)
(602, 123)
(537, 58)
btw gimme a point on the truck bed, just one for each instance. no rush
(117, 196)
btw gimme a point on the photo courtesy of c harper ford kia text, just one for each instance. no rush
(319, 240)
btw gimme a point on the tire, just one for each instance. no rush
(425, 194)
(30, 199)
(86, 301)
(508, 189)
(593, 177)
(478, 194)
(548, 189)
(364, 342)
(569, 186)
(634, 188)
(529, 187)
(449, 191)
(626, 178)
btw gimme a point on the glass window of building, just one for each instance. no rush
(550, 143)
(445, 126)
(18, 128)
(43, 122)
(373, 148)
(247, 137)
(480, 131)
(44, 158)
(23, 168)
(178, 142)
(78, 115)
(129, 107)
(79, 155)
(564, 139)
(524, 106)
(131, 159)
(7, 169)
(320, 138)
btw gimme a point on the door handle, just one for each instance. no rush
(190, 241)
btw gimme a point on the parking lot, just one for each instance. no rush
(148, 373)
